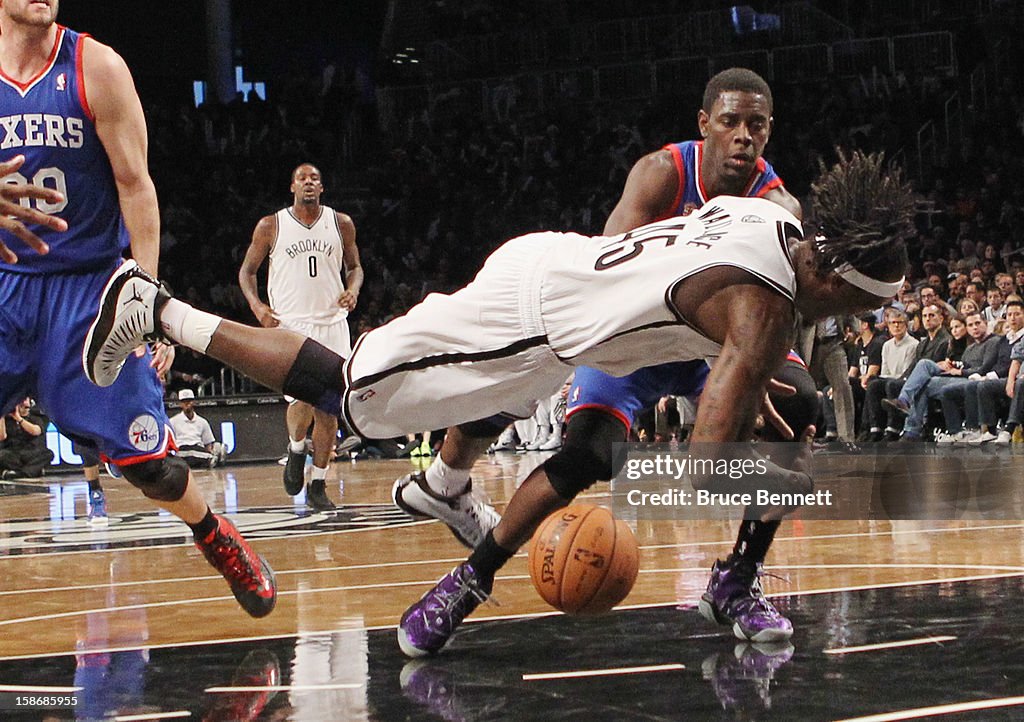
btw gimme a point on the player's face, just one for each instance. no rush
(306, 184)
(735, 132)
(37, 13)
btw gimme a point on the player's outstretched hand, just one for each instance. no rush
(13, 215)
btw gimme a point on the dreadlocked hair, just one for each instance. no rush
(865, 213)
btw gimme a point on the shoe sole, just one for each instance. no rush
(396, 496)
(764, 636)
(262, 611)
(104, 320)
(411, 650)
(710, 613)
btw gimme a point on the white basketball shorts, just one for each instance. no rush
(479, 352)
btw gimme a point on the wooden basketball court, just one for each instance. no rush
(891, 616)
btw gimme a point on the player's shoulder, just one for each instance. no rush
(266, 227)
(345, 222)
(99, 57)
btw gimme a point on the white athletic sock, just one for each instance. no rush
(188, 326)
(444, 480)
(319, 473)
(297, 446)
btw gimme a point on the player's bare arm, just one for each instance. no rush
(121, 126)
(353, 268)
(648, 194)
(14, 216)
(262, 242)
(755, 333)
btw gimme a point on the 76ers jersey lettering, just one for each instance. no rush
(48, 120)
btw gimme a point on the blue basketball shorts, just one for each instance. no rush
(43, 323)
(625, 396)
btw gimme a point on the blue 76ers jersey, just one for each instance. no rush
(691, 193)
(48, 120)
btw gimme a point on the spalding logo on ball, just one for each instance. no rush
(583, 560)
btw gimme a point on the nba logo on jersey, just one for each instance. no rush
(62, 82)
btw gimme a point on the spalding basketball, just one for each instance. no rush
(583, 560)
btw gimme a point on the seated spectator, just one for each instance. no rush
(995, 310)
(967, 306)
(865, 360)
(23, 451)
(193, 435)
(982, 400)
(913, 399)
(897, 357)
(984, 356)
(933, 347)
(1004, 282)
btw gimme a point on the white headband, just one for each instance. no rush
(883, 289)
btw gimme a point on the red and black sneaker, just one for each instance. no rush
(250, 577)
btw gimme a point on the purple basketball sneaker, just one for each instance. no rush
(734, 596)
(428, 624)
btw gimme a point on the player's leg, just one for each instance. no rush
(734, 595)
(325, 434)
(586, 456)
(133, 309)
(91, 470)
(298, 417)
(129, 425)
(445, 490)
(599, 409)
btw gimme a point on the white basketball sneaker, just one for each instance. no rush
(468, 516)
(127, 318)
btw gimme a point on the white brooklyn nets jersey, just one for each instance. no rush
(547, 302)
(307, 270)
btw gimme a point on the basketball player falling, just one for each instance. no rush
(313, 282)
(726, 282)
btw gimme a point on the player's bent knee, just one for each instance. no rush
(587, 454)
(159, 479)
(316, 377)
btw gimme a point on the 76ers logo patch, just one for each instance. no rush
(144, 433)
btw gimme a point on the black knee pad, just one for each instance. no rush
(487, 428)
(159, 479)
(587, 454)
(799, 410)
(316, 377)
